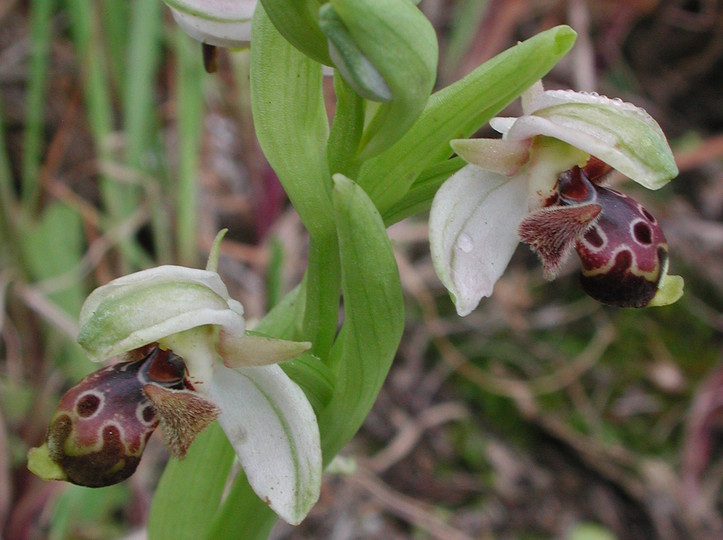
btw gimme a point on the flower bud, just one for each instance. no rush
(355, 68)
(395, 39)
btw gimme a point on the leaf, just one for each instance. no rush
(420, 194)
(373, 315)
(458, 111)
(296, 21)
(290, 120)
(47, 258)
(190, 490)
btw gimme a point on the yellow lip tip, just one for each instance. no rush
(41, 465)
(669, 292)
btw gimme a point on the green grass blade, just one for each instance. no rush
(189, 117)
(8, 200)
(119, 200)
(116, 28)
(139, 109)
(35, 99)
(139, 94)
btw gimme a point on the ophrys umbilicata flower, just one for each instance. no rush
(187, 361)
(540, 184)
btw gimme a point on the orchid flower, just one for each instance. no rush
(187, 361)
(541, 183)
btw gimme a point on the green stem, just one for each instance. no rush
(323, 284)
(346, 129)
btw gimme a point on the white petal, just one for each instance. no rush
(159, 274)
(496, 155)
(273, 430)
(168, 327)
(502, 124)
(530, 96)
(225, 23)
(473, 231)
(146, 306)
(553, 98)
(620, 134)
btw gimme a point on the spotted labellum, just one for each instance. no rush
(622, 247)
(542, 184)
(99, 430)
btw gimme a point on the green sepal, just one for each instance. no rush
(458, 111)
(400, 42)
(373, 315)
(296, 21)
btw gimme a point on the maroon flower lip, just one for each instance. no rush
(622, 247)
(102, 424)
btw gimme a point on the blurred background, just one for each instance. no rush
(541, 415)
